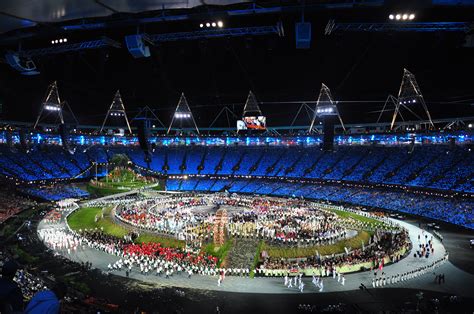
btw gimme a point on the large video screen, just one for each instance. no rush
(252, 123)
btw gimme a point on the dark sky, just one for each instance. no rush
(355, 66)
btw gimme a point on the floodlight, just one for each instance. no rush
(405, 16)
(65, 40)
(412, 16)
(208, 24)
(220, 24)
(213, 24)
(398, 16)
(52, 41)
(391, 16)
(201, 25)
(51, 108)
(61, 40)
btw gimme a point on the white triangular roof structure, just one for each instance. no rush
(410, 99)
(325, 106)
(117, 110)
(251, 106)
(51, 105)
(182, 113)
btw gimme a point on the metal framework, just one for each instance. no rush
(183, 112)
(219, 32)
(56, 49)
(228, 114)
(146, 113)
(332, 27)
(309, 112)
(325, 106)
(251, 8)
(455, 122)
(381, 126)
(251, 105)
(390, 100)
(409, 96)
(51, 105)
(116, 109)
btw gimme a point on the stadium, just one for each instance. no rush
(234, 156)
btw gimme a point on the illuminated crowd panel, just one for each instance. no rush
(356, 139)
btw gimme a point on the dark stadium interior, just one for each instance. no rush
(213, 73)
(206, 157)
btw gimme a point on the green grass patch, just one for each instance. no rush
(159, 187)
(218, 251)
(298, 252)
(84, 218)
(256, 259)
(127, 180)
(345, 214)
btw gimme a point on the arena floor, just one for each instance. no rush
(458, 281)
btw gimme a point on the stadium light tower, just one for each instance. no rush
(326, 110)
(325, 107)
(411, 100)
(116, 110)
(51, 105)
(251, 106)
(182, 113)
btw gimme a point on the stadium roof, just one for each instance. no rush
(361, 69)
(26, 13)
(20, 14)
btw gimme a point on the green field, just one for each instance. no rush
(126, 182)
(84, 218)
(344, 214)
(289, 252)
(219, 252)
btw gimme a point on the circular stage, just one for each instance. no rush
(239, 243)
